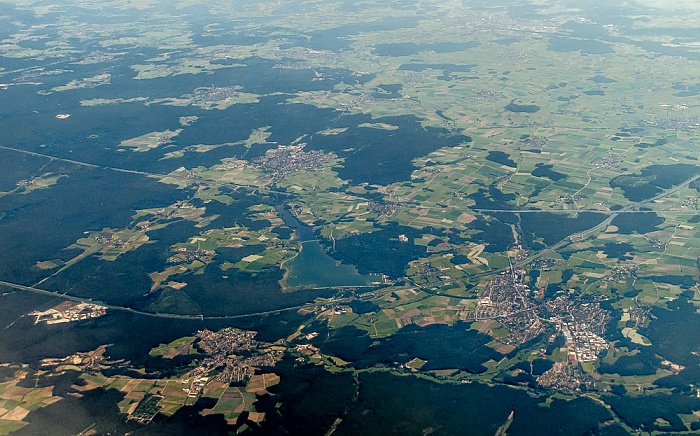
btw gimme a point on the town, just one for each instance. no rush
(289, 159)
(582, 324)
(525, 315)
(234, 354)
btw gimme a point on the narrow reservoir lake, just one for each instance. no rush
(313, 267)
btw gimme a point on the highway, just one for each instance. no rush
(143, 173)
(308, 306)
(630, 208)
(151, 314)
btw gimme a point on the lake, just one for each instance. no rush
(313, 267)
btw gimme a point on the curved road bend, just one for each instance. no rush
(630, 208)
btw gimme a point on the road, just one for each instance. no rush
(630, 208)
(158, 315)
(573, 211)
(144, 173)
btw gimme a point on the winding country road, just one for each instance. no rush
(630, 208)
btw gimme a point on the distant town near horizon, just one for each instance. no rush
(345, 217)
